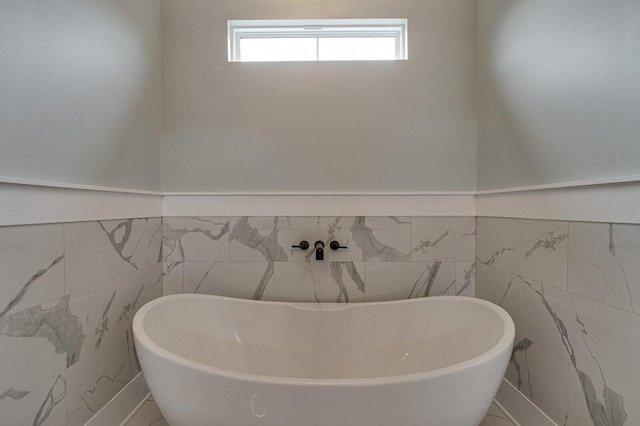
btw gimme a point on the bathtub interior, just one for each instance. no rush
(324, 341)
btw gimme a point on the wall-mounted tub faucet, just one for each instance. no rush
(336, 245)
(304, 246)
(319, 248)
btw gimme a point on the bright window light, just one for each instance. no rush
(318, 40)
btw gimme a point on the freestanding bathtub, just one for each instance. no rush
(212, 360)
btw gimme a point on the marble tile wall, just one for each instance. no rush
(573, 290)
(387, 257)
(67, 296)
(68, 292)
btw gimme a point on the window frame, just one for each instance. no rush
(318, 28)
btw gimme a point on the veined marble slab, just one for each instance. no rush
(37, 344)
(407, 280)
(466, 279)
(480, 235)
(93, 381)
(195, 239)
(96, 252)
(604, 263)
(582, 411)
(499, 287)
(133, 291)
(95, 309)
(319, 281)
(44, 406)
(172, 278)
(534, 249)
(443, 238)
(31, 266)
(541, 376)
(380, 239)
(598, 340)
(155, 240)
(247, 280)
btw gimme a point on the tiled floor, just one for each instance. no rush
(149, 415)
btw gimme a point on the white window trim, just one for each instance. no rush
(317, 28)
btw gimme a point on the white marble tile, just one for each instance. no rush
(376, 239)
(443, 238)
(155, 240)
(195, 239)
(604, 265)
(31, 266)
(498, 287)
(466, 279)
(93, 381)
(545, 316)
(480, 239)
(601, 340)
(148, 415)
(319, 281)
(96, 252)
(337, 228)
(496, 417)
(247, 280)
(534, 249)
(95, 309)
(133, 291)
(593, 404)
(609, 345)
(45, 406)
(294, 229)
(37, 344)
(172, 278)
(540, 376)
(257, 239)
(407, 280)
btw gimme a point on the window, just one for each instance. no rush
(318, 40)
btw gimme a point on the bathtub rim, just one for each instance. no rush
(504, 343)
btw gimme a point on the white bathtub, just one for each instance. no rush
(213, 360)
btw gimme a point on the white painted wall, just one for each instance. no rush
(390, 126)
(558, 91)
(80, 91)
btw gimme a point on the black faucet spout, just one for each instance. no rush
(319, 248)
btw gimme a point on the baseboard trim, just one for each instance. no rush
(518, 406)
(121, 406)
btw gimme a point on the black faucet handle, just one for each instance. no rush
(336, 245)
(304, 245)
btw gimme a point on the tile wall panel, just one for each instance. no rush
(381, 261)
(247, 280)
(68, 293)
(339, 282)
(195, 239)
(534, 249)
(443, 238)
(99, 251)
(573, 299)
(31, 266)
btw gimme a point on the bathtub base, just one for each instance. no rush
(455, 400)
